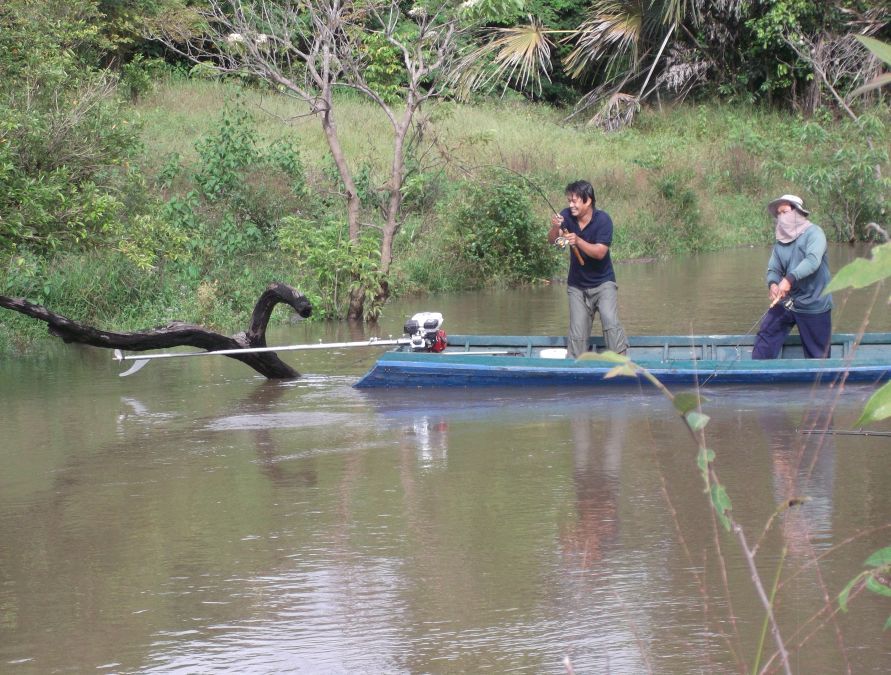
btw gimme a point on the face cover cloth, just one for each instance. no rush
(790, 226)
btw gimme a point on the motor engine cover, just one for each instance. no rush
(424, 330)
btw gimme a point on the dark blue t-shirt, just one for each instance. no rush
(599, 231)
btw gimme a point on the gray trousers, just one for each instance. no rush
(584, 303)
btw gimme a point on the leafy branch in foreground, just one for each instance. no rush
(876, 580)
(882, 50)
(861, 273)
(689, 407)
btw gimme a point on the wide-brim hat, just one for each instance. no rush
(794, 201)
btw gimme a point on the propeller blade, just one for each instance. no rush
(136, 367)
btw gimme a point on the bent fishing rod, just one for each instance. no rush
(561, 240)
(787, 303)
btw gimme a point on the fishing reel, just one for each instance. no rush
(561, 241)
(425, 333)
(787, 303)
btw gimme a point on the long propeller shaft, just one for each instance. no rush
(373, 342)
(141, 360)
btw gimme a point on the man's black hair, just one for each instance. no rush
(583, 190)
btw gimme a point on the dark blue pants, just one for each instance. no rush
(815, 331)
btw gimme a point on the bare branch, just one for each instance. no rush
(818, 53)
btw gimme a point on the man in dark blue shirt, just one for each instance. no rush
(591, 282)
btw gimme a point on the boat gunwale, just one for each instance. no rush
(398, 363)
(721, 340)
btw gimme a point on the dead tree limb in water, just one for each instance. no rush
(882, 232)
(179, 334)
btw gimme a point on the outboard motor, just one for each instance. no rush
(425, 333)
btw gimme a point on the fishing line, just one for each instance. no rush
(561, 241)
(787, 304)
(528, 180)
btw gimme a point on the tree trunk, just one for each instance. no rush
(356, 311)
(354, 205)
(394, 201)
(179, 334)
(815, 88)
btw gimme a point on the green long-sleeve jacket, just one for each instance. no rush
(803, 262)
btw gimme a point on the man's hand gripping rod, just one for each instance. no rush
(561, 242)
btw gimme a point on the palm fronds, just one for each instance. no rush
(614, 28)
(518, 55)
(618, 111)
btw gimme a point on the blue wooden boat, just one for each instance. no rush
(689, 360)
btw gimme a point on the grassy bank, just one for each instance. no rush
(679, 180)
(233, 189)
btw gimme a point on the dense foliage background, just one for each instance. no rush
(137, 187)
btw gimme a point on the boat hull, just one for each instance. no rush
(473, 364)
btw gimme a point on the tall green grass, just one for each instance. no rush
(695, 149)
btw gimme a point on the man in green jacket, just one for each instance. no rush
(798, 270)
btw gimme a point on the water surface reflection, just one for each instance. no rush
(194, 518)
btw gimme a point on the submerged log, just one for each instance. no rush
(180, 334)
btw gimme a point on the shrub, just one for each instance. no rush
(324, 252)
(64, 139)
(842, 164)
(496, 232)
(686, 233)
(226, 153)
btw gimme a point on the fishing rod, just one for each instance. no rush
(561, 240)
(786, 303)
(843, 432)
(141, 360)
(529, 181)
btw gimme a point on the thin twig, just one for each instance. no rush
(765, 601)
(773, 593)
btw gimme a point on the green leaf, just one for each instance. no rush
(686, 401)
(624, 369)
(878, 587)
(878, 407)
(610, 357)
(879, 558)
(705, 458)
(721, 502)
(696, 421)
(863, 272)
(881, 49)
